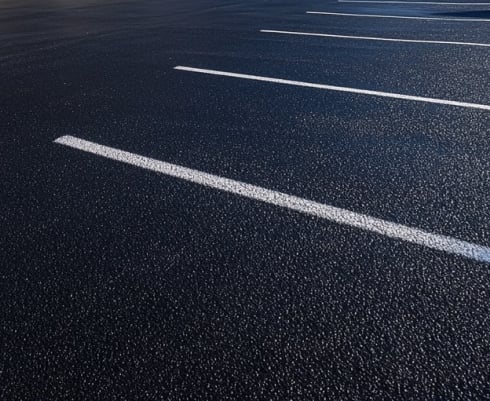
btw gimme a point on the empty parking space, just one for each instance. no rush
(340, 216)
(333, 36)
(336, 88)
(411, 3)
(453, 19)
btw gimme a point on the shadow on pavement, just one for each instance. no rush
(467, 14)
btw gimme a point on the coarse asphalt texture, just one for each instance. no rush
(120, 283)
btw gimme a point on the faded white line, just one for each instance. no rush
(442, 3)
(336, 88)
(399, 17)
(328, 35)
(331, 213)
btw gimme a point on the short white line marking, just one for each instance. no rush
(336, 88)
(399, 17)
(415, 2)
(328, 35)
(331, 213)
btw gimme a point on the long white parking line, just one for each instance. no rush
(328, 35)
(400, 17)
(331, 213)
(336, 88)
(443, 3)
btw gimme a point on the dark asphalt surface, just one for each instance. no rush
(121, 284)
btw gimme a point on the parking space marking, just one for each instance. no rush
(440, 3)
(336, 88)
(399, 17)
(328, 35)
(323, 211)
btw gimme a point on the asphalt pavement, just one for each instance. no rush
(244, 200)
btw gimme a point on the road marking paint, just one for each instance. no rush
(414, 2)
(399, 17)
(327, 212)
(336, 88)
(328, 35)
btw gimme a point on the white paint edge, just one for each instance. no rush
(399, 17)
(327, 212)
(328, 35)
(440, 3)
(336, 88)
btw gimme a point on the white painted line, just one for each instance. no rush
(331, 213)
(443, 3)
(400, 17)
(336, 88)
(327, 35)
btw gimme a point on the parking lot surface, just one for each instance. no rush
(256, 200)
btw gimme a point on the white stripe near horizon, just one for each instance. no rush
(336, 88)
(399, 17)
(327, 212)
(414, 2)
(328, 35)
